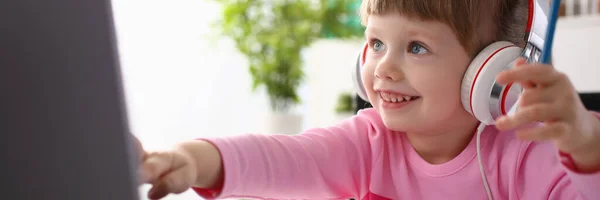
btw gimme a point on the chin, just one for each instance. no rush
(402, 121)
(421, 118)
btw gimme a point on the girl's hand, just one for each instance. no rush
(549, 97)
(168, 171)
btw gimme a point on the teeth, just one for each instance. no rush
(395, 98)
(384, 96)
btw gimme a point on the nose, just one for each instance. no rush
(388, 69)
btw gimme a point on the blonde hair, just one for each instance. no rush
(467, 18)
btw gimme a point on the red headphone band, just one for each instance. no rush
(530, 16)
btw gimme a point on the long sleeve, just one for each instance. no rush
(544, 178)
(322, 163)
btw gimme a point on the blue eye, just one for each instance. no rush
(417, 48)
(378, 45)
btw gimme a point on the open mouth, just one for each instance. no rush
(396, 98)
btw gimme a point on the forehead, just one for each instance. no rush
(448, 11)
(396, 24)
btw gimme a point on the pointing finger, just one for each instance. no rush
(139, 148)
(155, 166)
(177, 181)
(158, 191)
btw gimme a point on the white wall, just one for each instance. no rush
(575, 53)
(329, 67)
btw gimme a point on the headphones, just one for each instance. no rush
(480, 94)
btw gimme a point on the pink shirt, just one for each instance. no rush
(361, 159)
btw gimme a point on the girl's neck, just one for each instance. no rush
(439, 148)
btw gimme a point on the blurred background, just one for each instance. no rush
(215, 68)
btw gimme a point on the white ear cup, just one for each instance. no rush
(357, 79)
(357, 75)
(480, 77)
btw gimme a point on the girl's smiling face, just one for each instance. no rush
(413, 72)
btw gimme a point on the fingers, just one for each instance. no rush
(139, 148)
(525, 84)
(536, 74)
(535, 113)
(158, 191)
(141, 153)
(549, 131)
(536, 95)
(155, 165)
(178, 181)
(168, 172)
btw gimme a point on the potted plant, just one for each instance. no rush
(272, 35)
(345, 106)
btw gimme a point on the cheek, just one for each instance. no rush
(439, 88)
(441, 79)
(367, 81)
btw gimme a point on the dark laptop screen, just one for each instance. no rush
(62, 117)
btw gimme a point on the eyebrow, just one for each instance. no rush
(369, 31)
(411, 31)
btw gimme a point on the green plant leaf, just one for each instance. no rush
(345, 103)
(272, 35)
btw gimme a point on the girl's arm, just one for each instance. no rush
(542, 173)
(322, 163)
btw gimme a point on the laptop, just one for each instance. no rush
(63, 120)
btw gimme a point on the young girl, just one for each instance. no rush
(417, 142)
